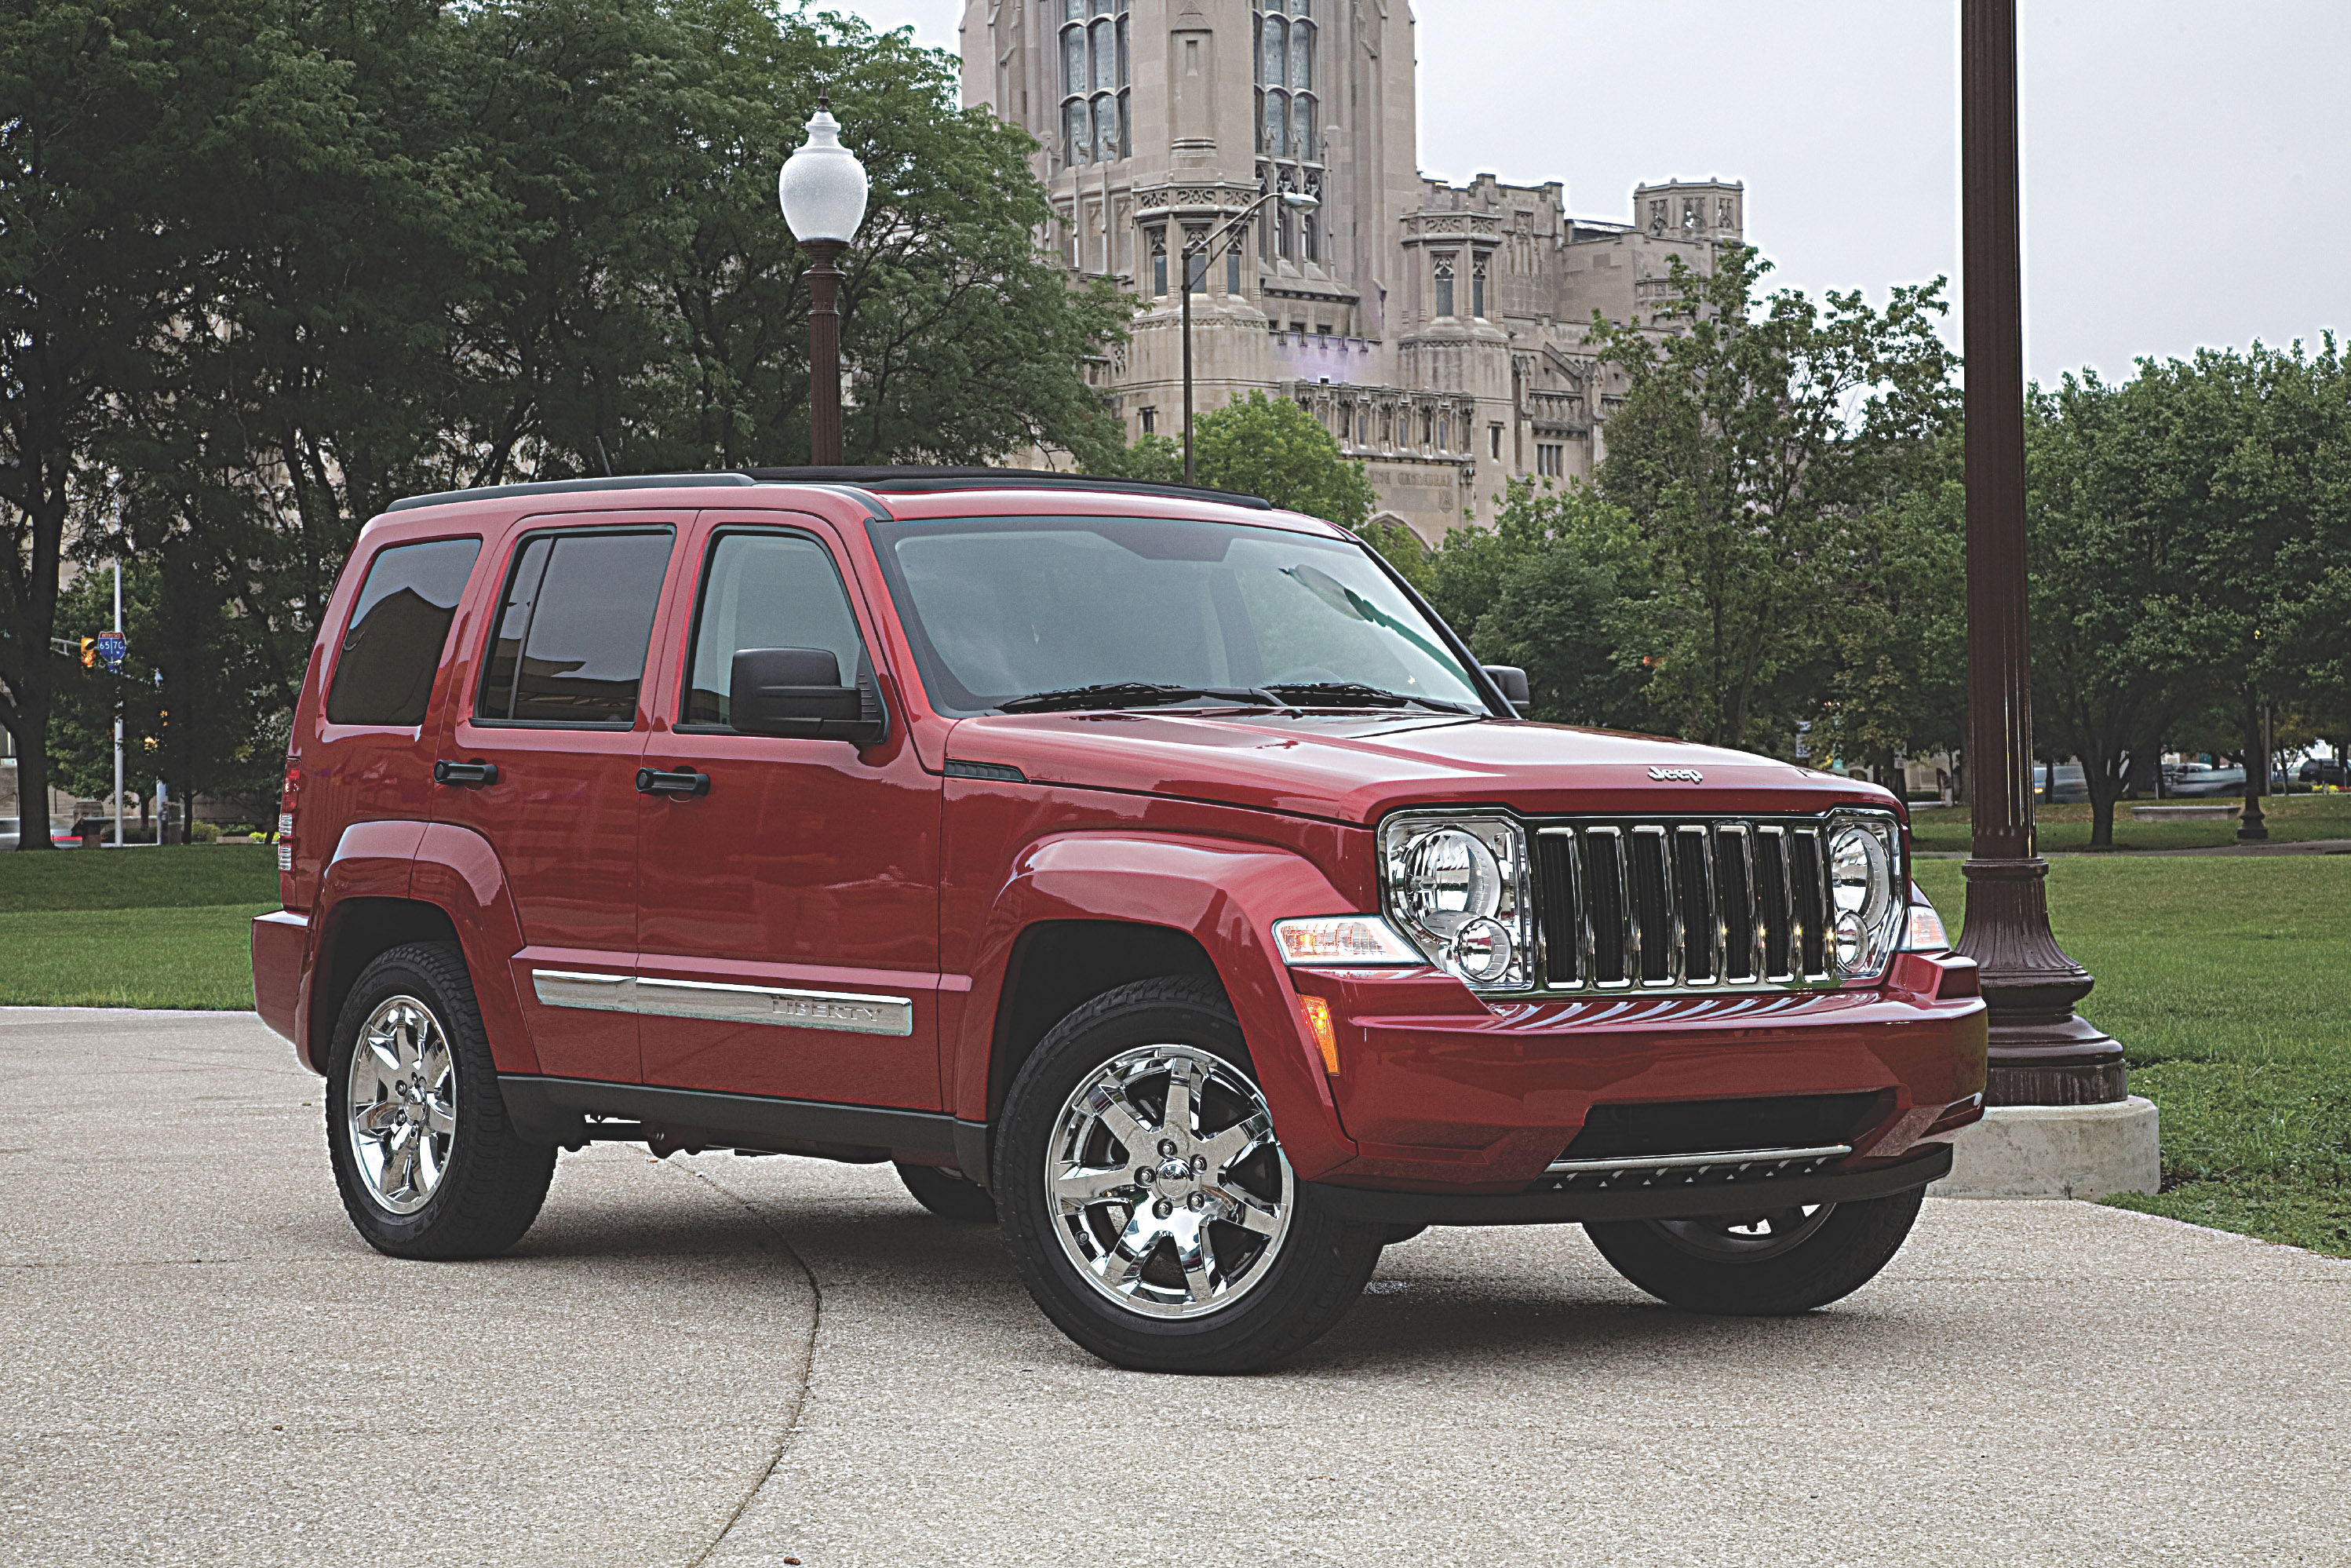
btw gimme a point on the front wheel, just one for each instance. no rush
(1145, 1198)
(1770, 1264)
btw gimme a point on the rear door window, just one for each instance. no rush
(569, 649)
(384, 670)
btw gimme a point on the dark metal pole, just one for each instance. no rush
(2042, 1053)
(824, 350)
(1184, 282)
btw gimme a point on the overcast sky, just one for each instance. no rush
(2187, 163)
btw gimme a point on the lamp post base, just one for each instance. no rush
(2042, 1051)
(2057, 1151)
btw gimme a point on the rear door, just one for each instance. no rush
(541, 760)
(788, 928)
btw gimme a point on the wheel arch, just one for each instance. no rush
(1057, 966)
(1145, 904)
(356, 932)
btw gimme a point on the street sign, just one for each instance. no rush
(111, 646)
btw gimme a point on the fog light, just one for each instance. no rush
(1848, 934)
(1482, 950)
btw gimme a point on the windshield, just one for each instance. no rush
(1072, 613)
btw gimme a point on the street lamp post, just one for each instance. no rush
(2042, 1051)
(822, 189)
(1207, 248)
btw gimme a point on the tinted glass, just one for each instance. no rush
(1000, 607)
(383, 674)
(570, 645)
(766, 590)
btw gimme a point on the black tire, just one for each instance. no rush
(948, 1194)
(1681, 1264)
(1317, 1266)
(493, 1181)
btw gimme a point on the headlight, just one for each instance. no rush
(1865, 909)
(1456, 887)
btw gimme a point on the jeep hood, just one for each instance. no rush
(1356, 766)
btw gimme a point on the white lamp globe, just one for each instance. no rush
(823, 187)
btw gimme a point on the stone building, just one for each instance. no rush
(1437, 330)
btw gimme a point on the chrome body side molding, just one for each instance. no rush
(572, 988)
(852, 1011)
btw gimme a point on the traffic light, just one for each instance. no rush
(88, 653)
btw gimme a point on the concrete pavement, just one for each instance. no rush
(744, 1360)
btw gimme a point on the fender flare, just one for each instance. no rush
(460, 873)
(372, 860)
(1224, 895)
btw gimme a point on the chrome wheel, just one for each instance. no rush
(1164, 1182)
(1746, 1238)
(401, 1102)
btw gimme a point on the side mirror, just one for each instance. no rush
(1513, 681)
(798, 692)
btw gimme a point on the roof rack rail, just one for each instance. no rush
(567, 486)
(902, 478)
(899, 478)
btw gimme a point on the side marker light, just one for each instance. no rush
(1318, 1024)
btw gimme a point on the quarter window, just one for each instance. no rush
(384, 672)
(570, 645)
(766, 590)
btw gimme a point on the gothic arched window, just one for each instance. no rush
(1094, 110)
(1289, 106)
(1477, 292)
(1445, 286)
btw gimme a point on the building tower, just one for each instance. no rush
(1437, 331)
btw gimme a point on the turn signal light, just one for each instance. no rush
(1318, 1024)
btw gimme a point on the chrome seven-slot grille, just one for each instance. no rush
(1682, 905)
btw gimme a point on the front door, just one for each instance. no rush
(787, 929)
(552, 703)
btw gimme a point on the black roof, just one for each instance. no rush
(891, 478)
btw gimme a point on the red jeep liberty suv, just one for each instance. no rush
(1142, 868)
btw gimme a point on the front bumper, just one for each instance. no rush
(1692, 1202)
(1443, 1094)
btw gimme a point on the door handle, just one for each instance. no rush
(464, 773)
(683, 781)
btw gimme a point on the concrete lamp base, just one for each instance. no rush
(2056, 1151)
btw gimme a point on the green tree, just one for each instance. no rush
(199, 707)
(1273, 448)
(1899, 643)
(121, 123)
(1752, 438)
(1571, 591)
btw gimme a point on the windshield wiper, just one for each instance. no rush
(1136, 693)
(1355, 693)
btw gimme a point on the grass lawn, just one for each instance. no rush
(2066, 828)
(162, 927)
(2225, 980)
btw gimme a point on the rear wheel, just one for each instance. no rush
(1764, 1264)
(949, 1194)
(425, 1159)
(1146, 1197)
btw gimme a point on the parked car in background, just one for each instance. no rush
(1143, 869)
(2325, 770)
(2192, 781)
(2071, 784)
